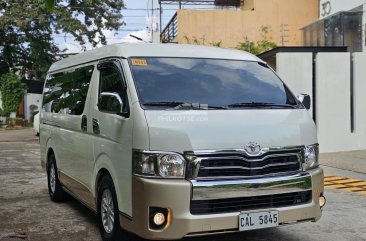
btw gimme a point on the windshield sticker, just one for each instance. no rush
(139, 62)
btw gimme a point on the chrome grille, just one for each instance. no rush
(247, 203)
(237, 164)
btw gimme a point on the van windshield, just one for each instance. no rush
(208, 83)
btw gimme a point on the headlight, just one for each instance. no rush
(311, 155)
(159, 164)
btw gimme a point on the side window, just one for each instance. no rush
(66, 92)
(111, 91)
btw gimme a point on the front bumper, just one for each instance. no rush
(177, 194)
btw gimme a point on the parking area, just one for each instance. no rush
(26, 212)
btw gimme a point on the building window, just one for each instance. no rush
(341, 29)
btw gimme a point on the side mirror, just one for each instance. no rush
(111, 103)
(305, 100)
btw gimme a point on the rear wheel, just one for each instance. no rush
(54, 186)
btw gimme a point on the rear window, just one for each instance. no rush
(65, 93)
(212, 82)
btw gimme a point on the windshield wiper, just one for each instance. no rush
(163, 103)
(261, 104)
(199, 106)
(182, 105)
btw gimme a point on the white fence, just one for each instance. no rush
(339, 84)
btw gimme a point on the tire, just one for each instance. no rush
(54, 186)
(107, 209)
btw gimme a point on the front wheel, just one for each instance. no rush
(108, 217)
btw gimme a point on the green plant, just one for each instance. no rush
(216, 44)
(200, 41)
(260, 46)
(12, 91)
(12, 122)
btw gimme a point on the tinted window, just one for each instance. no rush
(207, 81)
(111, 82)
(66, 92)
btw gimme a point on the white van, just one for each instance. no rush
(168, 141)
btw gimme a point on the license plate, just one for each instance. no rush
(258, 220)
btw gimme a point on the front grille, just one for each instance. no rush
(241, 166)
(249, 203)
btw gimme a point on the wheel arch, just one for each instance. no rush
(49, 150)
(101, 173)
(104, 166)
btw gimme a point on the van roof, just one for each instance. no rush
(127, 50)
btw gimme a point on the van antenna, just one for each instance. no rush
(138, 38)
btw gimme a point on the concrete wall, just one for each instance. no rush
(333, 95)
(333, 102)
(296, 70)
(359, 88)
(232, 26)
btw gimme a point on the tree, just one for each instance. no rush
(12, 91)
(261, 45)
(49, 5)
(27, 30)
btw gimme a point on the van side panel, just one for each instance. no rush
(112, 148)
(65, 105)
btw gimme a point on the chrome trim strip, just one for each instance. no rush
(231, 178)
(205, 190)
(242, 158)
(243, 151)
(195, 158)
(247, 168)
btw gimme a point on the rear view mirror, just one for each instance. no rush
(305, 100)
(110, 103)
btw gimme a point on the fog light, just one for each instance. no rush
(159, 219)
(322, 201)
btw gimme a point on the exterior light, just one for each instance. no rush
(159, 218)
(322, 201)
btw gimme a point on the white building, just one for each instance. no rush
(32, 104)
(341, 23)
(32, 99)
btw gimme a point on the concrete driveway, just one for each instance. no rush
(26, 212)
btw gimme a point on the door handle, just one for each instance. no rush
(96, 129)
(84, 123)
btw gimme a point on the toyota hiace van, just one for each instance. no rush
(167, 141)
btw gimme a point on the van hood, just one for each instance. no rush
(180, 131)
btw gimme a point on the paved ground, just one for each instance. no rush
(351, 160)
(26, 213)
(24, 135)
